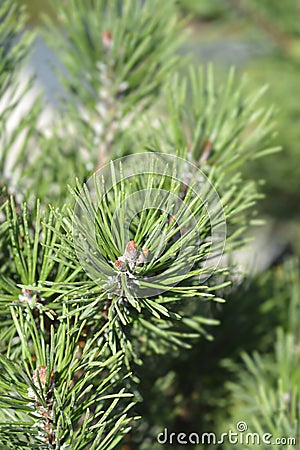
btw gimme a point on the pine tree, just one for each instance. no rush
(143, 169)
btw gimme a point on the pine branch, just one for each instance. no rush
(28, 257)
(127, 264)
(17, 126)
(218, 127)
(140, 277)
(117, 57)
(60, 394)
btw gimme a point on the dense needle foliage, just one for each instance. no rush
(119, 221)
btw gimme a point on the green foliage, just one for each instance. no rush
(125, 266)
(116, 58)
(209, 388)
(222, 129)
(13, 52)
(29, 262)
(59, 395)
(147, 296)
(265, 393)
(222, 126)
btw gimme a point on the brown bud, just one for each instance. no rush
(206, 152)
(145, 252)
(119, 264)
(107, 40)
(172, 219)
(142, 256)
(130, 251)
(41, 374)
